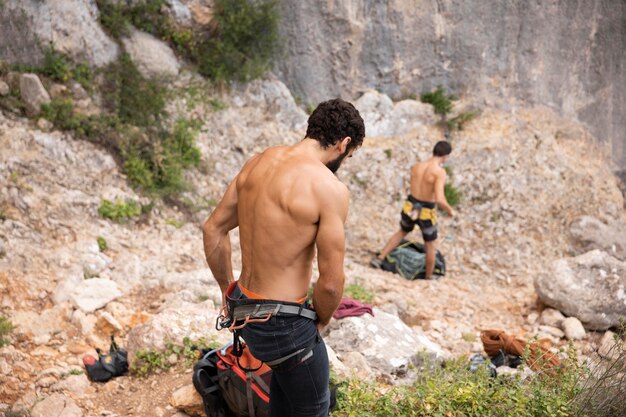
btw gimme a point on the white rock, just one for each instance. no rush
(92, 294)
(552, 331)
(4, 89)
(56, 405)
(33, 94)
(609, 346)
(387, 343)
(78, 385)
(573, 328)
(152, 56)
(188, 400)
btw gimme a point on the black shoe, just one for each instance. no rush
(376, 263)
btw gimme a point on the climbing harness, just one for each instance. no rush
(239, 312)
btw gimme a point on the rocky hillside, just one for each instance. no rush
(65, 294)
(539, 235)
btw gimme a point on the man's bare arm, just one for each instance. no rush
(217, 240)
(440, 196)
(331, 248)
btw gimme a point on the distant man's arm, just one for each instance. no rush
(217, 240)
(330, 242)
(440, 196)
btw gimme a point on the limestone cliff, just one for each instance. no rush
(566, 55)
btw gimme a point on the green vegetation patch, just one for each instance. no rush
(120, 210)
(358, 292)
(102, 243)
(238, 45)
(149, 362)
(5, 329)
(440, 100)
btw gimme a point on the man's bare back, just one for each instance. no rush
(427, 182)
(281, 197)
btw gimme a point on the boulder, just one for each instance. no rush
(153, 57)
(56, 405)
(590, 287)
(77, 385)
(551, 317)
(72, 26)
(609, 346)
(273, 94)
(573, 328)
(188, 400)
(195, 321)
(388, 344)
(4, 89)
(33, 94)
(591, 233)
(384, 118)
(92, 294)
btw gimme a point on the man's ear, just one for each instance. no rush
(343, 145)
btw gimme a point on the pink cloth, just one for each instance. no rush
(352, 308)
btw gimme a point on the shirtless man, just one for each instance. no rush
(427, 183)
(287, 202)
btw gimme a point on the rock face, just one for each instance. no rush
(590, 287)
(71, 25)
(566, 55)
(384, 340)
(188, 400)
(591, 233)
(152, 56)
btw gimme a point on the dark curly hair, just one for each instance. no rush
(442, 148)
(333, 120)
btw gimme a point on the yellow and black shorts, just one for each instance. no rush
(421, 213)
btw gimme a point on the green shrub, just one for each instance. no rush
(82, 73)
(133, 98)
(441, 101)
(454, 390)
(5, 329)
(56, 65)
(60, 111)
(459, 121)
(358, 292)
(113, 18)
(148, 361)
(453, 194)
(102, 243)
(245, 40)
(120, 210)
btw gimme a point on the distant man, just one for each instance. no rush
(287, 202)
(427, 183)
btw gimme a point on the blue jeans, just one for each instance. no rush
(297, 389)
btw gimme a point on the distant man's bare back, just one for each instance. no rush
(424, 179)
(282, 194)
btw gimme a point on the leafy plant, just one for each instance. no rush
(60, 111)
(454, 390)
(5, 329)
(120, 210)
(453, 194)
(441, 102)
(458, 122)
(358, 292)
(148, 361)
(102, 243)
(245, 40)
(217, 104)
(56, 65)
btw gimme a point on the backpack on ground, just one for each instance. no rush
(409, 260)
(232, 386)
(107, 366)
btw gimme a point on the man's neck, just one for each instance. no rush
(312, 148)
